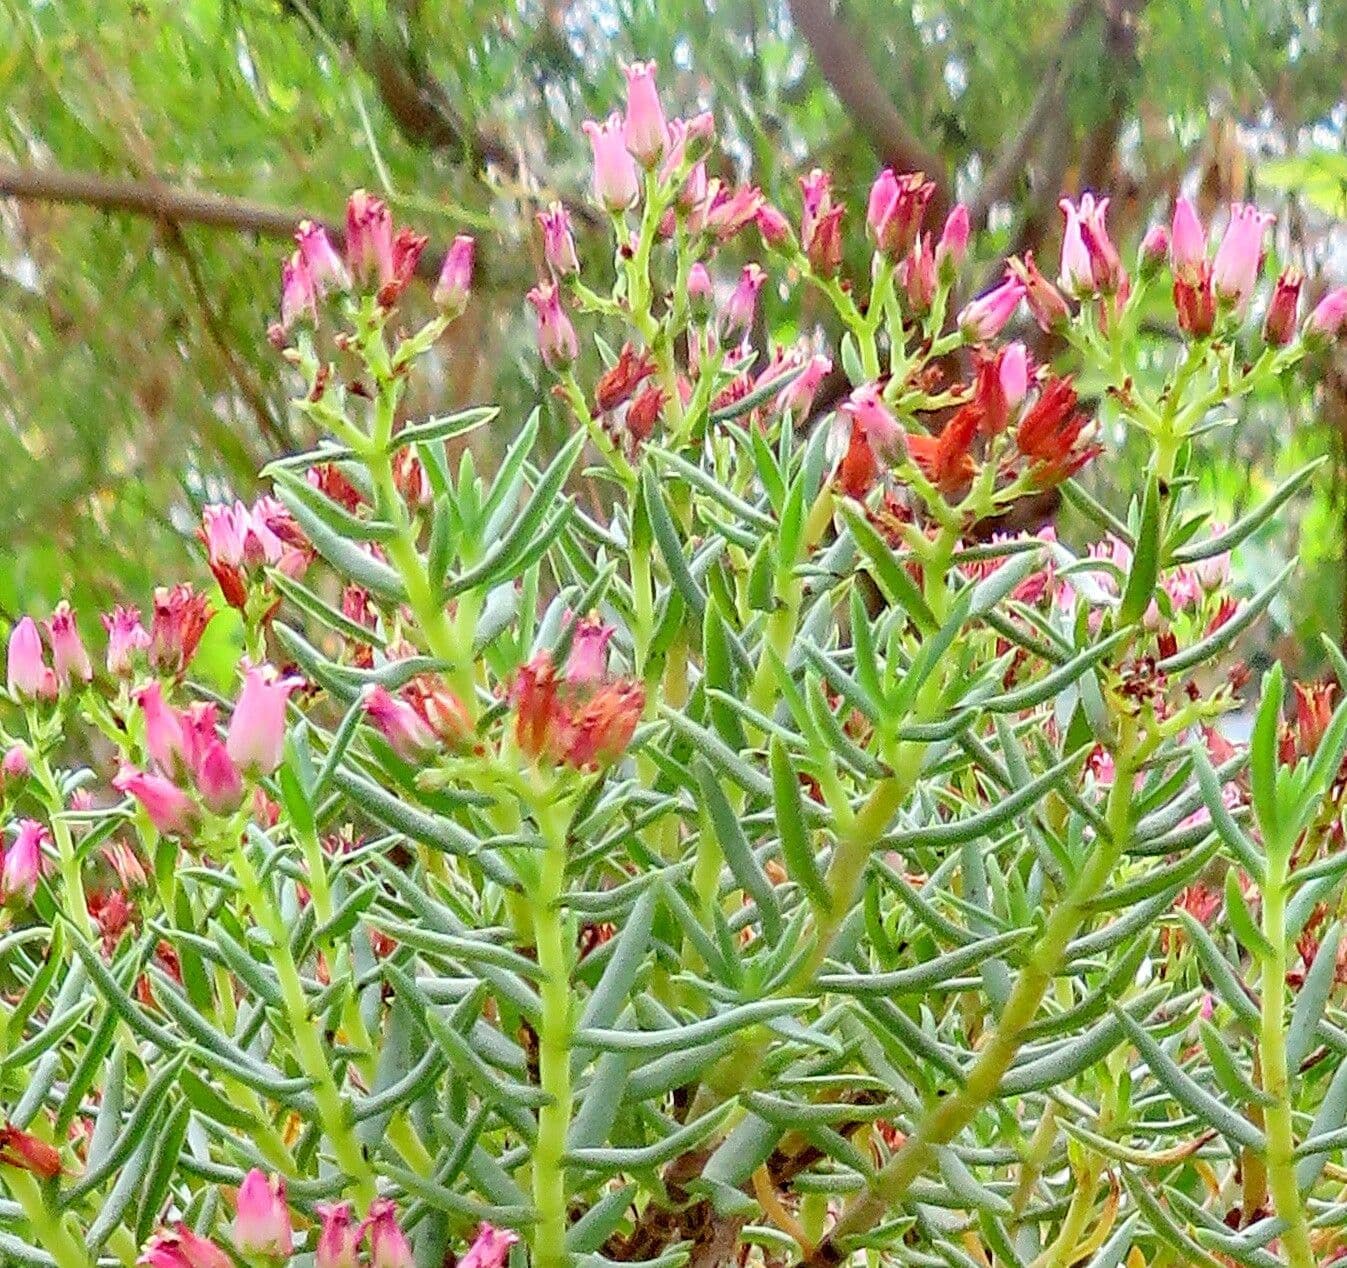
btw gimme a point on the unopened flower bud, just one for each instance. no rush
(1279, 327)
(557, 340)
(701, 294)
(455, 282)
(23, 863)
(1329, 316)
(262, 1218)
(985, 317)
(558, 241)
(326, 269)
(647, 132)
(1154, 249)
(952, 248)
(743, 302)
(27, 672)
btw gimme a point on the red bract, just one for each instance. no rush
(946, 460)
(617, 384)
(1048, 435)
(180, 619)
(26, 1152)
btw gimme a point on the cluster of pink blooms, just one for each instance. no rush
(376, 257)
(188, 752)
(241, 540)
(264, 1227)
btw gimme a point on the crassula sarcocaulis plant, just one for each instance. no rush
(755, 859)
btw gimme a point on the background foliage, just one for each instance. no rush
(136, 379)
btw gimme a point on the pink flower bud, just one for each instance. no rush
(773, 226)
(165, 738)
(647, 133)
(588, 660)
(557, 340)
(126, 636)
(701, 293)
(558, 241)
(256, 736)
(1090, 262)
(743, 301)
(451, 291)
(182, 1248)
(1187, 240)
(1234, 271)
(1154, 248)
(985, 317)
(1074, 276)
(338, 1239)
(324, 264)
(69, 657)
(490, 1249)
(1279, 327)
(1195, 301)
(27, 671)
(870, 416)
(170, 809)
(895, 210)
(1326, 321)
(23, 863)
(953, 244)
(299, 296)
(821, 224)
(616, 180)
(369, 239)
(388, 1245)
(262, 1219)
(218, 780)
(15, 764)
(1014, 374)
(398, 722)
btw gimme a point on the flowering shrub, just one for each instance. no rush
(760, 857)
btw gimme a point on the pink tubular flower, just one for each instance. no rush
(895, 210)
(165, 738)
(985, 317)
(256, 736)
(1045, 301)
(725, 212)
(1279, 326)
(1187, 241)
(262, 1219)
(1090, 262)
(339, 1238)
(616, 180)
(647, 132)
(69, 657)
(1329, 315)
(180, 618)
(170, 809)
(1014, 374)
(299, 296)
(455, 283)
(952, 248)
(743, 302)
(388, 1245)
(398, 722)
(217, 779)
(558, 241)
(369, 239)
(126, 637)
(1154, 248)
(324, 264)
(490, 1249)
(557, 340)
(23, 863)
(870, 416)
(1234, 271)
(182, 1248)
(27, 672)
(588, 660)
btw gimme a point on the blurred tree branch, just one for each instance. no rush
(168, 203)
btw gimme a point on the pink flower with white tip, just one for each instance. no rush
(262, 1218)
(647, 131)
(455, 281)
(617, 182)
(256, 736)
